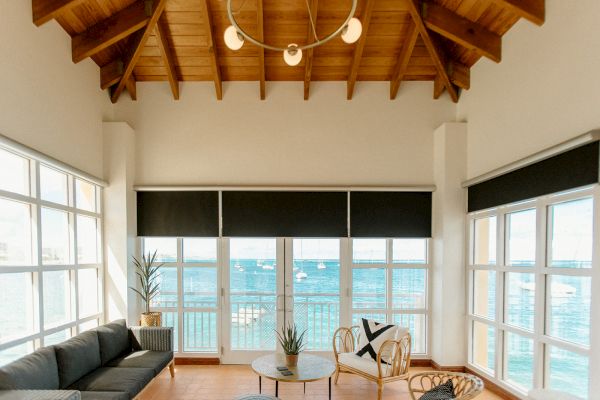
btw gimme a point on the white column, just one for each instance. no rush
(119, 222)
(448, 330)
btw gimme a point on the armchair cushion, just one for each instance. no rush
(371, 337)
(365, 365)
(445, 391)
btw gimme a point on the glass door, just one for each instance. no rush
(313, 294)
(254, 302)
(270, 283)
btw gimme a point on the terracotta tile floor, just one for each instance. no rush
(225, 382)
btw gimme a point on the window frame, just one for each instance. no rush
(389, 311)
(542, 274)
(180, 310)
(37, 268)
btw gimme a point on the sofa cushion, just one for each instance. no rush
(157, 360)
(104, 396)
(128, 380)
(114, 340)
(40, 395)
(365, 365)
(77, 357)
(37, 370)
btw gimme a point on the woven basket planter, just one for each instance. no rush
(151, 319)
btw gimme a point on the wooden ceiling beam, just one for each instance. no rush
(212, 49)
(110, 74)
(168, 59)
(138, 41)
(358, 50)
(111, 30)
(463, 31)
(261, 50)
(131, 88)
(532, 10)
(438, 87)
(310, 38)
(435, 51)
(403, 60)
(46, 10)
(460, 75)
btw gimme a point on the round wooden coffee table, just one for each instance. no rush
(310, 368)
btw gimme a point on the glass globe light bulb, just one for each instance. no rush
(233, 39)
(293, 55)
(352, 31)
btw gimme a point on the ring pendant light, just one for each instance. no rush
(350, 31)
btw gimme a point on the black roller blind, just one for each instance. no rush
(186, 213)
(390, 214)
(292, 214)
(569, 170)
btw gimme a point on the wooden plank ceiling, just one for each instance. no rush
(182, 40)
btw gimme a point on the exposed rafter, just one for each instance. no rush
(402, 64)
(212, 49)
(110, 74)
(360, 45)
(314, 8)
(460, 75)
(138, 41)
(532, 10)
(438, 87)
(463, 31)
(261, 51)
(131, 88)
(168, 59)
(45, 10)
(435, 51)
(111, 30)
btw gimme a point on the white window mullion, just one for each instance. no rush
(500, 353)
(542, 241)
(180, 316)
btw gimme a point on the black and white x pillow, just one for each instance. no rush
(372, 336)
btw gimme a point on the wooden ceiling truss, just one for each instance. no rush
(181, 40)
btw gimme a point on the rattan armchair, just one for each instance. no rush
(397, 352)
(466, 386)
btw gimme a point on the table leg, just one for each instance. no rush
(276, 388)
(304, 387)
(259, 384)
(329, 388)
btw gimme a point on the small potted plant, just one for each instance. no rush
(292, 343)
(147, 271)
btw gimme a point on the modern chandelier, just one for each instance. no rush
(350, 31)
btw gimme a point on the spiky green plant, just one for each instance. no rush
(291, 340)
(147, 271)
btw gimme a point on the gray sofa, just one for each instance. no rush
(110, 362)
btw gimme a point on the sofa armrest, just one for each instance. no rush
(156, 338)
(40, 395)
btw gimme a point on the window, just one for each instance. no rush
(15, 233)
(530, 303)
(390, 284)
(189, 295)
(50, 280)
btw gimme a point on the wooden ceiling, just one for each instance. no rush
(182, 40)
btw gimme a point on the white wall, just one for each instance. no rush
(119, 223)
(47, 102)
(448, 288)
(545, 91)
(285, 140)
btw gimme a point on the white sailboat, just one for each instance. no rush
(301, 275)
(321, 265)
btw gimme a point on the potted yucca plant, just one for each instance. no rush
(147, 271)
(292, 343)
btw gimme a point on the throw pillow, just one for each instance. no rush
(444, 391)
(372, 336)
